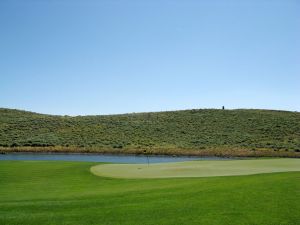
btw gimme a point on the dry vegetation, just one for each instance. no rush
(188, 132)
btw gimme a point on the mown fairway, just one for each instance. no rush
(202, 168)
(68, 193)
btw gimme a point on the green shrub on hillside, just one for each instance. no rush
(187, 129)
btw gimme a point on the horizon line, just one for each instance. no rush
(144, 112)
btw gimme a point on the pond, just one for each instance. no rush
(102, 157)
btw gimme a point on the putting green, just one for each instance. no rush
(197, 168)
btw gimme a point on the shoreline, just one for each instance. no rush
(226, 153)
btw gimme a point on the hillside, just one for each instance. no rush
(199, 132)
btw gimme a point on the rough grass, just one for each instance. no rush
(191, 132)
(67, 193)
(200, 168)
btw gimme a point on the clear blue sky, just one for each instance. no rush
(113, 56)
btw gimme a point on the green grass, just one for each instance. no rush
(199, 132)
(202, 168)
(36, 192)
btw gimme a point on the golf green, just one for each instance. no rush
(202, 168)
(67, 193)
